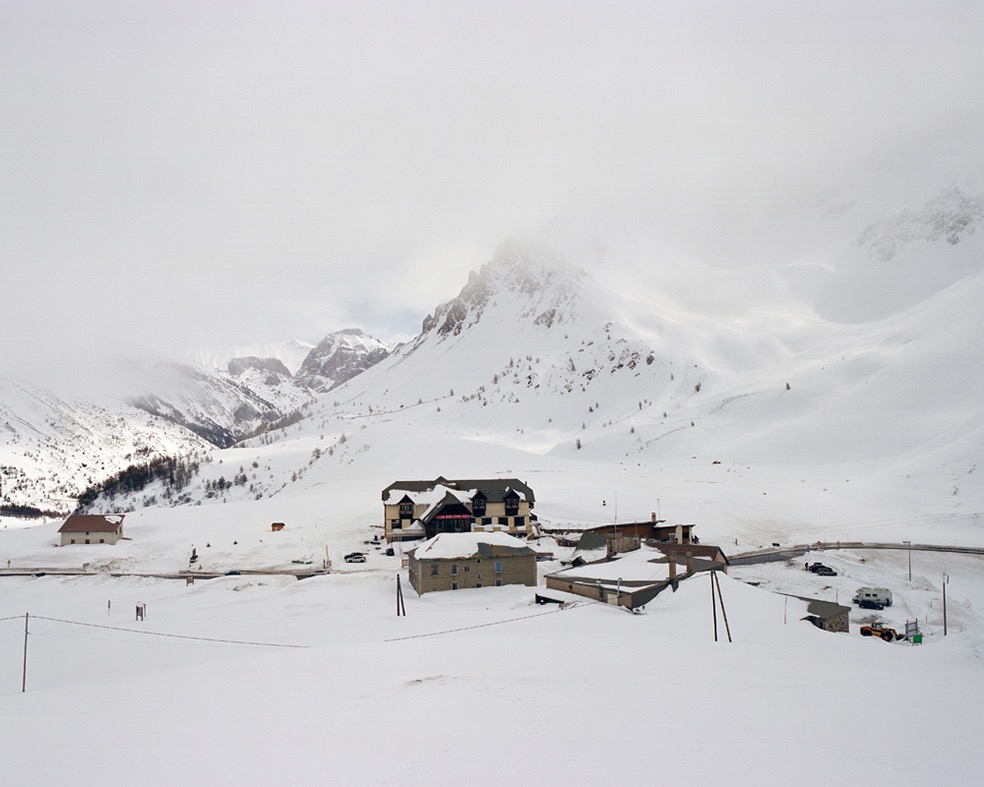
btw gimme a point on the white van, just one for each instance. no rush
(873, 598)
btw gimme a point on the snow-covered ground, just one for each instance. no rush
(476, 684)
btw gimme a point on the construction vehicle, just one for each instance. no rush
(881, 631)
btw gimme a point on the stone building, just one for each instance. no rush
(453, 561)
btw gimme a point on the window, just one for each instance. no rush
(478, 505)
(498, 582)
(102, 540)
(498, 566)
(503, 520)
(512, 505)
(406, 509)
(454, 569)
(454, 585)
(467, 567)
(433, 569)
(486, 520)
(519, 521)
(395, 524)
(478, 583)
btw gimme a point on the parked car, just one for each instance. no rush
(825, 571)
(875, 596)
(355, 557)
(815, 566)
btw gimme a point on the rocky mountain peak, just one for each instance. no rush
(340, 356)
(544, 282)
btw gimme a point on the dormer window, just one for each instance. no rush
(512, 504)
(478, 505)
(406, 508)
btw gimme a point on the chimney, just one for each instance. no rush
(653, 517)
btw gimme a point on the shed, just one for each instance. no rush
(276, 527)
(827, 615)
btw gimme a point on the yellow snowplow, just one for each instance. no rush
(881, 631)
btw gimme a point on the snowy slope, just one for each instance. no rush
(52, 448)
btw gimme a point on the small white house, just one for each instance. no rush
(92, 529)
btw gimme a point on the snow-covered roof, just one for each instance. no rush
(635, 566)
(429, 497)
(494, 489)
(448, 546)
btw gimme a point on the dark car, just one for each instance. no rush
(825, 571)
(816, 566)
(870, 603)
(355, 557)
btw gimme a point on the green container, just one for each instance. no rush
(917, 639)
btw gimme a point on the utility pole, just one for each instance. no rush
(401, 610)
(946, 579)
(24, 672)
(909, 545)
(713, 607)
(724, 612)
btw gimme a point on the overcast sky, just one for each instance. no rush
(185, 173)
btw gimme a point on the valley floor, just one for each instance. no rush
(485, 686)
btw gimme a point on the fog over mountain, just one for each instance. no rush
(224, 176)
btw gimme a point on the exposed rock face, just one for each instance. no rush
(546, 283)
(215, 407)
(948, 216)
(340, 356)
(273, 370)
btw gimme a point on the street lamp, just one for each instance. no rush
(909, 545)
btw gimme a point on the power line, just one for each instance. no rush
(483, 625)
(174, 636)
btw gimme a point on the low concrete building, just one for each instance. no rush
(451, 561)
(629, 580)
(92, 529)
(656, 529)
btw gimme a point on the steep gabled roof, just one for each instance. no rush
(92, 523)
(494, 489)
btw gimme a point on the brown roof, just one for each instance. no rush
(92, 523)
(708, 551)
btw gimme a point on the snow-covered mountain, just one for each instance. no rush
(290, 353)
(779, 419)
(222, 407)
(52, 448)
(340, 356)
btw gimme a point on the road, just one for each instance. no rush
(799, 550)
